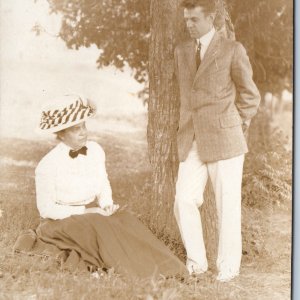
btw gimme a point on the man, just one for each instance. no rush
(218, 100)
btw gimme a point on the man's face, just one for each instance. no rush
(198, 22)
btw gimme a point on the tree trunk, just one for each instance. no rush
(167, 29)
(163, 106)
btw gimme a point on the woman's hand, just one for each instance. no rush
(110, 209)
(106, 211)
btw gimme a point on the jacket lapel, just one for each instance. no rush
(209, 55)
(189, 53)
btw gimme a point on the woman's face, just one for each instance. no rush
(75, 137)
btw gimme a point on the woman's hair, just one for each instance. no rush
(58, 135)
(207, 5)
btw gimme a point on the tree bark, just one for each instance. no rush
(167, 29)
(163, 106)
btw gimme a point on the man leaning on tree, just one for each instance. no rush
(218, 99)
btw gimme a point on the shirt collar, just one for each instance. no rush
(65, 148)
(206, 38)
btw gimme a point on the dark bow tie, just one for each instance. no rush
(75, 153)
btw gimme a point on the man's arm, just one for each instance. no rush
(248, 96)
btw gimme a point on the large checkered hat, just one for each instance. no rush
(65, 112)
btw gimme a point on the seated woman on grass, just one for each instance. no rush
(74, 199)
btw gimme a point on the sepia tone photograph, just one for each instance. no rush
(146, 149)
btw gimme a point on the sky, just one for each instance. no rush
(19, 42)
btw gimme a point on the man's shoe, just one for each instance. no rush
(194, 269)
(226, 277)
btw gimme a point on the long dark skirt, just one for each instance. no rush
(119, 241)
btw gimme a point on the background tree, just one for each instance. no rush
(121, 30)
(266, 30)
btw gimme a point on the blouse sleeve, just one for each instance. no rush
(46, 196)
(105, 196)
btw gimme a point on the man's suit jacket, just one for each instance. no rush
(215, 100)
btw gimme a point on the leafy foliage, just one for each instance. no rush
(121, 30)
(267, 174)
(266, 30)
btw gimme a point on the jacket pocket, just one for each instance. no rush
(231, 120)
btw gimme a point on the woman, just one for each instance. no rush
(74, 199)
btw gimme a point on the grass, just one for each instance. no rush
(265, 271)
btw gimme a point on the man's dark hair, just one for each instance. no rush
(207, 5)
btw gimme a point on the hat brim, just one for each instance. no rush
(61, 127)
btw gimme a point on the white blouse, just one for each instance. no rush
(64, 184)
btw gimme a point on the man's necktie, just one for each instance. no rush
(198, 58)
(74, 153)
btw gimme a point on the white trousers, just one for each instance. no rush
(226, 178)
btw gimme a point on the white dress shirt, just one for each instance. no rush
(64, 185)
(205, 41)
